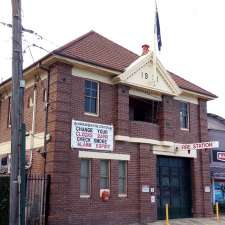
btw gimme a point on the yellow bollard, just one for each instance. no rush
(167, 214)
(217, 212)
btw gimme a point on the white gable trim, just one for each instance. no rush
(137, 65)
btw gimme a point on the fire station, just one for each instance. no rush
(109, 122)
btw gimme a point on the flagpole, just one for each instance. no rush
(155, 49)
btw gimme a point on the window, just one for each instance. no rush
(144, 110)
(9, 113)
(122, 177)
(30, 102)
(91, 97)
(184, 115)
(84, 177)
(104, 174)
(4, 161)
(44, 97)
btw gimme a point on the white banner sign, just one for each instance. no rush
(197, 146)
(91, 136)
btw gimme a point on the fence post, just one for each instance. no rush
(167, 214)
(217, 212)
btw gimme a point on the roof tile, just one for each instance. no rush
(98, 50)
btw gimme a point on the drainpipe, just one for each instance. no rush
(33, 125)
(46, 115)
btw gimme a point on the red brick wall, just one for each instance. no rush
(66, 103)
(5, 131)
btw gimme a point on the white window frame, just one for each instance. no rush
(9, 119)
(87, 195)
(109, 173)
(126, 180)
(188, 116)
(97, 100)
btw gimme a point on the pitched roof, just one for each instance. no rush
(98, 50)
(95, 49)
(187, 85)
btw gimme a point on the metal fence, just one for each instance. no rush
(4, 200)
(37, 194)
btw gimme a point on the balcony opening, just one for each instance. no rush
(144, 110)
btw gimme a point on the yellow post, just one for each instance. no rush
(167, 214)
(217, 212)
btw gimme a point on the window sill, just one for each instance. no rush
(184, 129)
(122, 195)
(84, 196)
(91, 114)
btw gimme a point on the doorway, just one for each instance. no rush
(174, 187)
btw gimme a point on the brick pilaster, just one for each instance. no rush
(204, 154)
(148, 210)
(59, 126)
(167, 129)
(122, 110)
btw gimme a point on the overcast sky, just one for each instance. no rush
(192, 32)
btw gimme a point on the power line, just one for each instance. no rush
(40, 37)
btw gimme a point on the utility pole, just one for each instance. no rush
(16, 114)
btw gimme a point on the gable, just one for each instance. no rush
(143, 74)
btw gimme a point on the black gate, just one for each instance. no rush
(174, 187)
(37, 194)
(4, 200)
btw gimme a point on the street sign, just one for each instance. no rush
(218, 156)
(198, 146)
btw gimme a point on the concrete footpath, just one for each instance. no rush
(192, 221)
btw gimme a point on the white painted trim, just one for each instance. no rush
(146, 87)
(73, 61)
(143, 140)
(185, 129)
(84, 196)
(5, 147)
(91, 114)
(103, 155)
(77, 72)
(176, 154)
(174, 151)
(207, 97)
(145, 95)
(185, 98)
(142, 61)
(122, 195)
(160, 147)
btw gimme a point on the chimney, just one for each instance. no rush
(145, 49)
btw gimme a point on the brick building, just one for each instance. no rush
(113, 126)
(216, 127)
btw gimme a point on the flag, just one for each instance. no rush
(157, 29)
